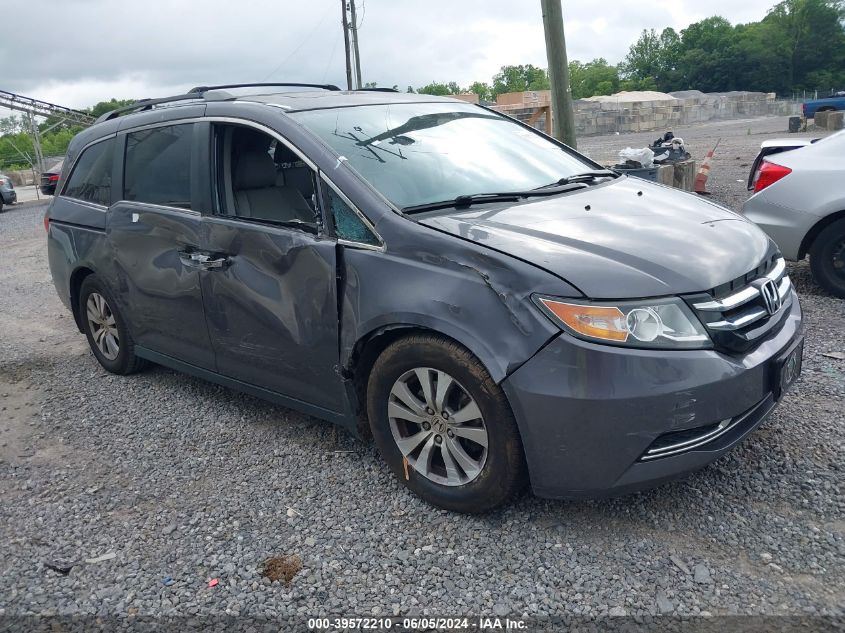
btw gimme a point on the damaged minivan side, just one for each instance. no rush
(495, 308)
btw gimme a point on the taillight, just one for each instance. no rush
(46, 222)
(53, 178)
(768, 174)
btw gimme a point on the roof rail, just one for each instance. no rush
(144, 104)
(377, 90)
(199, 93)
(202, 89)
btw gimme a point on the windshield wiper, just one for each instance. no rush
(463, 201)
(586, 176)
(508, 196)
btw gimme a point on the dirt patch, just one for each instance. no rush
(19, 411)
(282, 568)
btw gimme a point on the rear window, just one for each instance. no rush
(91, 177)
(158, 166)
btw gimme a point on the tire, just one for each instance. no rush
(111, 342)
(827, 258)
(479, 479)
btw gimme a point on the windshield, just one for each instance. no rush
(418, 153)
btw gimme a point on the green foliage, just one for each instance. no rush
(441, 89)
(799, 44)
(519, 79)
(107, 106)
(483, 90)
(593, 78)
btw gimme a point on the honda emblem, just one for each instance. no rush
(771, 296)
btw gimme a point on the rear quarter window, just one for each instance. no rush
(90, 180)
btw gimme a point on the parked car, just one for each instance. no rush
(50, 178)
(825, 104)
(496, 308)
(8, 195)
(800, 202)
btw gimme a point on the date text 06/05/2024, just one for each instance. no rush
(420, 623)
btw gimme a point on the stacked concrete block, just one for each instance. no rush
(622, 113)
(835, 120)
(820, 120)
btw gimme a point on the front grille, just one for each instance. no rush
(742, 312)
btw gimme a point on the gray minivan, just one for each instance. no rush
(495, 308)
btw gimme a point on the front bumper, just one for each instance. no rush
(588, 413)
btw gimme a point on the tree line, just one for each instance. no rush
(798, 46)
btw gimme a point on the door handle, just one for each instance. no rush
(203, 261)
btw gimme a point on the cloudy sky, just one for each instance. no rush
(78, 52)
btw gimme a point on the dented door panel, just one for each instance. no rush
(271, 309)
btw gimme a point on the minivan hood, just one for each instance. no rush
(627, 238)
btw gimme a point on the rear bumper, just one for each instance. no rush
(10, 196)
(588, 413)
(787, 227)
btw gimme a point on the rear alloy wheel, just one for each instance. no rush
(827, 258)
(105, 328)
(443, 426)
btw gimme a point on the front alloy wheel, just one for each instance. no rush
(443, 425)
(438, 426)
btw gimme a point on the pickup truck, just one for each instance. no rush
(836, 102)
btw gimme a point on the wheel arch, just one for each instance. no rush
(818, 227)
(370, 345)
(75, 285)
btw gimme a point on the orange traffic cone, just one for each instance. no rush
(704, 172)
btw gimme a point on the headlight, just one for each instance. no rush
(649, 324)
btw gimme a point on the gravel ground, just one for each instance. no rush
(165, 476)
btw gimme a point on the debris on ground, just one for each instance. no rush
(213, 582)
(636, 157)
(680, 564)
(62, 567)
(702, 575)
(167, 581)
(669, 149)
(281, 568)
(836, 355)
(101, 559)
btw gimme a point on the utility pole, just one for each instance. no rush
(354, 27)
(346, 45)
(562, 116)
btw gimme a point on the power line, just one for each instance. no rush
(331, 58)
(301, 44)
